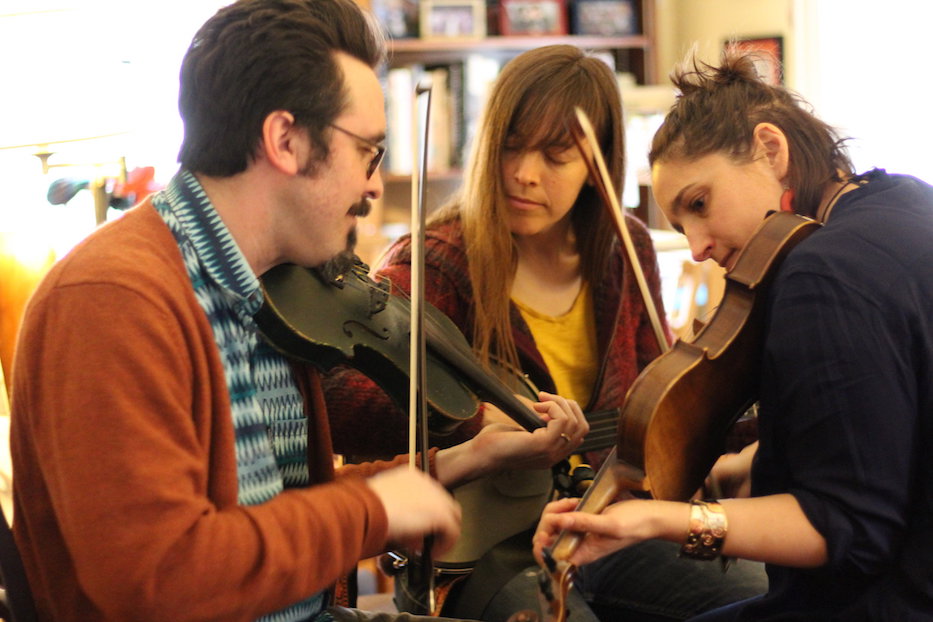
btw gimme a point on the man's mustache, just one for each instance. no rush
(343, 261)
(361, 209)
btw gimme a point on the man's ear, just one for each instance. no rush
(284, 144)
(771, 144)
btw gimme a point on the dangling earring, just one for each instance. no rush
(787, 200)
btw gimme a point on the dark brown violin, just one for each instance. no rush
(673, 424)
(681, 406)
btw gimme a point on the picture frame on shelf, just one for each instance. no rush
(453, 19)
(532, 17)
(399, 17)
(769, 56)
(604, 18)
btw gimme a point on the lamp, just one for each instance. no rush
(97, 185)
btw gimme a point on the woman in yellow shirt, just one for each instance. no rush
(525, 261)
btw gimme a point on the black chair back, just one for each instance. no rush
(18, 596)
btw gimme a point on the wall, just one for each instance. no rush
(862, 69)
(865, 71)
(70, 70)
(708, 23)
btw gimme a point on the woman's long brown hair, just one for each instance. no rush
(532, 106)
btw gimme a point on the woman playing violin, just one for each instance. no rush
(525, 262)
(841, 493)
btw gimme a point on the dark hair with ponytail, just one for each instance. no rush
(718, 109)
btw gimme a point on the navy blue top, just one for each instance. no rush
(846, 408)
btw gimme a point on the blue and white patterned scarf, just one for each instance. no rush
(267, 408)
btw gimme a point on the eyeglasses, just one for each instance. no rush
(378, 150)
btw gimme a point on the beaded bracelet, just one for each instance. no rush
(706, 531)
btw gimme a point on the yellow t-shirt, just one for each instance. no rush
(568, 345)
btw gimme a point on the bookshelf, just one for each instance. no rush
(437, 50)
(461, 70)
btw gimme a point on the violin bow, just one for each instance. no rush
(603, 182)
(614, 474)
(418, 439)
(417, 377)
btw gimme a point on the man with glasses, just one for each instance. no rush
(170, 464)
(378, 151)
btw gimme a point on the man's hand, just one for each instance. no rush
(416, 506)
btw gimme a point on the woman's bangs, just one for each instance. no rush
(542, 126)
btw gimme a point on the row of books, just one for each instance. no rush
(438, 19)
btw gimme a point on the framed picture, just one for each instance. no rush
(400, 17)
(604, 18)
(769, 53)
(532, 17)
(453, 19)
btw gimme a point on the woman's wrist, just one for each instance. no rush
(461, 463)
(667, 520)
(706, 531)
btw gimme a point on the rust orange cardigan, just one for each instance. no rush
(123, 450)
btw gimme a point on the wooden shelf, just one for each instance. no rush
(403, 51)
(631, 54)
